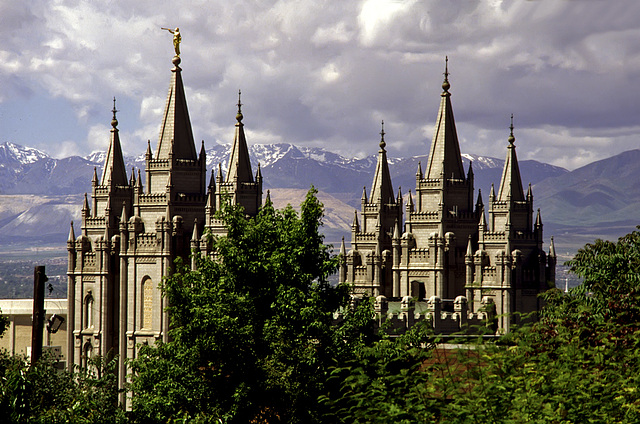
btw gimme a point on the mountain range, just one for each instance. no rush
(40, 195)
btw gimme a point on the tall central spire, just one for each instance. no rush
(176, 135)
(381, 188)
(444, 157)
(114, 170)
(239, 163)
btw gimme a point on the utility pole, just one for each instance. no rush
(37, 326)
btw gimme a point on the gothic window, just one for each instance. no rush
(88, 310)
(87, 350)
(147, 303)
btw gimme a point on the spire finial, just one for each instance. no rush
(382, 133)
(512, 139)
(114, 121)
(239, 115)
(445, 84)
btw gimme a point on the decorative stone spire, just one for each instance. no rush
(114, 169)
(355, 226)
(72, 234)
(479, 202)
(239, 163)
(444, 157)
(343, 249)
(267, 200)
(363, 198)
(410, 203)
(176, 124)
(511, 183)
(419, 174)
(381, 188)
(552, 248)
(194, 236)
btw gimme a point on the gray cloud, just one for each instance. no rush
(324, 73)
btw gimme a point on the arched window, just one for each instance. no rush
(87, 351)
(147, 303)
(88, 310)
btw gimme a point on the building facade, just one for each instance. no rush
(448, 250)
(443, 245)
(132, 232)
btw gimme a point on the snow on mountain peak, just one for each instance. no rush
(21, 154)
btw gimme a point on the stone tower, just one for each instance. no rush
(132, 233)
(430, 255)
(448, 250)
(368, 265)
(509, 265)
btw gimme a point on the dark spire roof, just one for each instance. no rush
(444, 157)
(176, 135)
(381, 188)
(114, 170)
(239, 163)
(511, 183)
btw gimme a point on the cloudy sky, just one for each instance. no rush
(325, 73)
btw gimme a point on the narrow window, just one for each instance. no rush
(88, 310)
(147, 303)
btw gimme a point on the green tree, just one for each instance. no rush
(252, 334)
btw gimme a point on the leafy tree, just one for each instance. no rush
(252, 334)
(45, 394)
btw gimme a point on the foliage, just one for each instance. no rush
(252, 334)
(579, 363)
(43, 393)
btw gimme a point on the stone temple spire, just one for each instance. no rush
(239, 163)
(176, 135)
(114, 169)
(511, 183)
(444, 157)
(381, 188)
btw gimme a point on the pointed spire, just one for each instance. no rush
(148, 155)
(212, 182)
(123, 216)
(483, 220)
(72, 234)
(399, 197)
(492, 194)
(469, 247)
(444, 156)
(343, 249)
(239, 162)
(552, 249)
(529, 193)
(176, 135)
(355, 226)
(258, 173)
(479, 203)
(203, 153)
(419, 174)
(132, 180)
(139, 181)
(538, 220)
(363, 198)
(470, 172)
(381, 188)
(85, 204)
(410, 203)
(94, 180)
(511, 183)
(267, 200)
(396, 231)
(114, 169)
(195, 237)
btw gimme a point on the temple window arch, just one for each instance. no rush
(88, 310)
(146, 309)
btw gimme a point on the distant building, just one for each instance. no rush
(17, 338)
(447, 248)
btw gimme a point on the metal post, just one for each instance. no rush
(37, 327)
